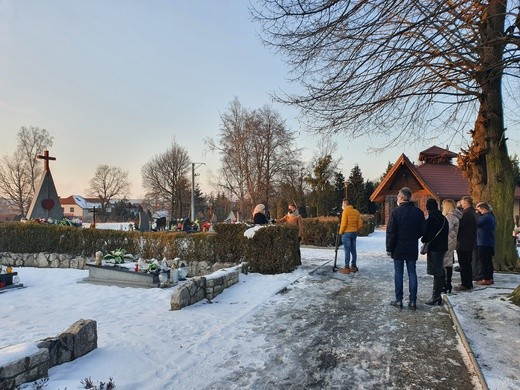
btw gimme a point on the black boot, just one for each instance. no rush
(412, 305)
(448, 271)
(438, 283)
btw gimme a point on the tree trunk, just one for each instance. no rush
(490, 173)
(487, 162)
(515, 296)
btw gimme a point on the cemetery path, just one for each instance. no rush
(336, 331)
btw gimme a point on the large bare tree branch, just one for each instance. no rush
(406, 70)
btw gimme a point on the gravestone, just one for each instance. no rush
(9, 281)
(144, 221)
(46, 203)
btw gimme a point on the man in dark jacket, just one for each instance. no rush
(405, 226)
(466, 243)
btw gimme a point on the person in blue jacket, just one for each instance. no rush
(485, 242)
(405, 226)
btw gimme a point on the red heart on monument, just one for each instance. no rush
(48, 204)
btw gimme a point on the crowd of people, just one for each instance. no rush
(460, 228)
(455, 228)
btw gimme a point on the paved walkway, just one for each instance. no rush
(334, 331)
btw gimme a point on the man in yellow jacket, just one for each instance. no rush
(351, 222)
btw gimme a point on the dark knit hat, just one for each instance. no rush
(431, 204)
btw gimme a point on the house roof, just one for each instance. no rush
(84, 203)
(403, 173)
(436, 175)
(446, 181)
(435, 151)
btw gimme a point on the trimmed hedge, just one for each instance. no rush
(322, 231)
(273, 249)
(33, 237)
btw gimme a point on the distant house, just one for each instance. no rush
(8, 211)
(76, 206)
(435, 177)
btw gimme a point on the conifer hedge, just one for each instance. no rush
(273, 249)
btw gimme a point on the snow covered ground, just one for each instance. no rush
(144, 345)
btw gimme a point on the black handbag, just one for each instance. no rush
(424, 247)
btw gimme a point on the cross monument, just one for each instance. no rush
(46, 202)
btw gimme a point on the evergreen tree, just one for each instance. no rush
(339, 192)
(369, 189)
(321, 198)
(356, 192)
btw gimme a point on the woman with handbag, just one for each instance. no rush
(436, 238)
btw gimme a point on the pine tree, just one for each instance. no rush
(356, 190)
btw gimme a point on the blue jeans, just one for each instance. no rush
(398, 279)
(349, 244)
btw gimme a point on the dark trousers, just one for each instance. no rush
(476, 267)
(485, 258)
(448, 272)
(466, 274)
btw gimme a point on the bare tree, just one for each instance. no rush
(15, 181)
(401, 69)
(255, 148)
(20, 173)
(107, 183)
(165, 177)
(291, 188)
(32, 141)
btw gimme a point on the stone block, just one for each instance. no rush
(41, 261)
(74, 263)
(218, 290)
(199, 295)
(180, 298)
(85, 337)
(26, 369)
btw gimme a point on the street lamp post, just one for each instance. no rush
(193, 189)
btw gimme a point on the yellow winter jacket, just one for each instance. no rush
(351, 220)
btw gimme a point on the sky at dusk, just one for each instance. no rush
(116, 81)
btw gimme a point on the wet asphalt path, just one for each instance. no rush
(334, 331)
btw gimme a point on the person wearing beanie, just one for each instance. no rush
(436, 235)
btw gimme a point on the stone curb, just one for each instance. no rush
(465, 343)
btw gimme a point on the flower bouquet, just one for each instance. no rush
(118, 256)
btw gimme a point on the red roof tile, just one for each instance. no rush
(435, 151)
(67, 200)
(446, 180)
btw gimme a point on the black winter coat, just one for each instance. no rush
(467, 235)
(260, 219)
(405, 226)
(435, 222)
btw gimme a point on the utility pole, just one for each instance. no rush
(193, 189)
